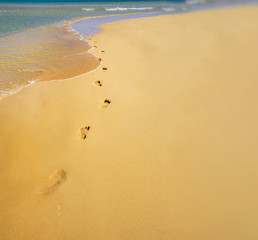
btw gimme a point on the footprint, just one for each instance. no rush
(100, 59)
(104, 69)
(84, 132)
(54, 180)
(102, 51)
(98, 83)
(105, 103)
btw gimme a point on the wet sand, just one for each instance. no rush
(160, 142)
(45, 53)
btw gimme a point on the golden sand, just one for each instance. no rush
(160, 145)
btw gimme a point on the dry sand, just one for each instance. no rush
(171, 155)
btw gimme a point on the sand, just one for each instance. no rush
(165, 148)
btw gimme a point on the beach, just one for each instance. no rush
(159, 142)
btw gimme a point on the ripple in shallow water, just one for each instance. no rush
(46, 53)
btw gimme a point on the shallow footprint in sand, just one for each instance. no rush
(98, 83)
(104, 69)
(54, 181)
(105, 103)
(84, 132)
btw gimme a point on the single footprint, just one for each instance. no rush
(100, 59)
(105, 103)
(104, 69)
(54, 180)
(98, 83)
(102, 51)
(84, 132)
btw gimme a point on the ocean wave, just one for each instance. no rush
(194, 2)
(8, 11)
(88, 9)
(129, 9)
(168, 9)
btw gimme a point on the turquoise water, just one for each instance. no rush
(18, 17)
(37, 43)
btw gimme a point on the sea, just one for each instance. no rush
(42, 40)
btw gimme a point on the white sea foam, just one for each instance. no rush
(168, 9)
(5, 92)
(129, 9)
(9, 11)
(193, 2)
(32, 81)
(88, 9)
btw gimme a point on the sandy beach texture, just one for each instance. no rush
(164, 146)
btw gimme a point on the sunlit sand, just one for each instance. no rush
(159, 142)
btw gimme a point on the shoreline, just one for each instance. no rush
(74, 31)
(83, 38)
(163, 148)
(70, 22)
